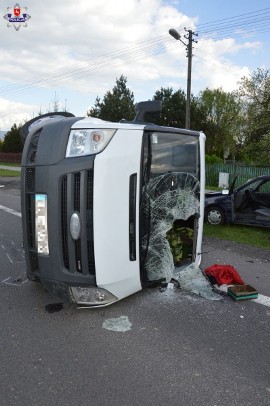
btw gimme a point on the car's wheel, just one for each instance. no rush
(214, 215)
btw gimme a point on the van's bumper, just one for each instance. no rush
(84, 296)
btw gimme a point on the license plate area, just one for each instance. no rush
(41, 229)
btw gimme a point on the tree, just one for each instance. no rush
(56, 105)
(116, 104)
(258, 152)
(220, 119)
(12, 141)
(255, 94)
(173, 107)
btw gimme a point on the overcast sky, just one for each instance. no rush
(74, 50)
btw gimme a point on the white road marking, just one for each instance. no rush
(264, 300)
(11, 211)
(6, 279)
(9, 258)
(16, 282)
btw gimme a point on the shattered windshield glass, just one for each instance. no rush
(165, 199)
(169, 202)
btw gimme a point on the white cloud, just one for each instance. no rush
(12, 112)
(80, 48)
(225, 46)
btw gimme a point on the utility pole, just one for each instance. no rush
(189, 56)
(189, 37)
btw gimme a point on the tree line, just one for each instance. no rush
(236, 124)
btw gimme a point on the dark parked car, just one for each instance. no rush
(248, 204)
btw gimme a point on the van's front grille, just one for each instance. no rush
(30, 220)
(64, 225)
(30, 242)
(76, 195)
(30, 179)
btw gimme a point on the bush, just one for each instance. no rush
(213, 159)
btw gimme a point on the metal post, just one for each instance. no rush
(189, 55)
(188, 46)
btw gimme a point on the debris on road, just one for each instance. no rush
(223, 274)
(119, 324)
(226, 280)
(193, 280)
(242, 292)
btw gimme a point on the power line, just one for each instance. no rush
(151, 47)
(237, 17)
(219, 65)
(81, 69)
(234, 30)
(228, 25)
(257, 21)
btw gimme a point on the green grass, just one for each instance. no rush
(213, 188)
(9, 173)
(10, 164)
(254, 236)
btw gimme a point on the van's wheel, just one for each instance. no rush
(214, 215)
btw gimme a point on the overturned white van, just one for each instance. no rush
(99, 199)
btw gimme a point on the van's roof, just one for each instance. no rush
(92, 122)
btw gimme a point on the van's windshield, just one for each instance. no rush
(169, 198)
(170, 152)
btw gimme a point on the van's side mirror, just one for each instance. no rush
(144, 107)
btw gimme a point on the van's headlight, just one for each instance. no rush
(91, 296)
(88, 142)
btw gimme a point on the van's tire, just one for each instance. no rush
(214, 215)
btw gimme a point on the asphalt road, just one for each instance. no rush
(178, 348)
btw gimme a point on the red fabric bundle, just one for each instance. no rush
(224, 274)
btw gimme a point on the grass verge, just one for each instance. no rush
(254, 236)
(9, 164)
(9, 173)
(214, 188)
